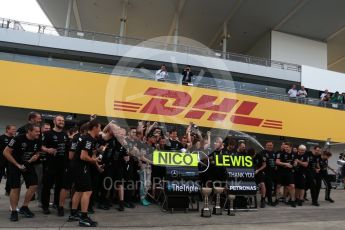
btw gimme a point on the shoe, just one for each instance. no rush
(288, 202)
(293, 204)
(14, 216)
(26, 212)
(46, 211)
(33, 198)
(315, 204)
(75, 217)
(87, 222)
(144, 202)
(330, 200)
(61, 211)
(306, 199)
(121, 206)
(262, 204)
(299, 202)
(103, 206)
(276, 202)
(131, 205)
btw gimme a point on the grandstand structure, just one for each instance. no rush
(250, 51)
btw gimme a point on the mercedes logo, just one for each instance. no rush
(174, 173)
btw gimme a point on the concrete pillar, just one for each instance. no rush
(225, 34)
(68, 17)
(123, 19)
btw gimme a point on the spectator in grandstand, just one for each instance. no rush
(302, 94)
(161, 74)
(325, 96)
(187, 75)
(293, 93)
(337, 98)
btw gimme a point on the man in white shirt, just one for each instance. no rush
(302, 94)
(161, 74)
(292, 93)
(323, 95)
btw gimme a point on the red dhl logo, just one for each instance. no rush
(157, 106)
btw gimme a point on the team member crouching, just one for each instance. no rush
(21, 152)
(84, 159)
(301, 164)
(259, 166)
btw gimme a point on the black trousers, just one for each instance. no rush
(327, 181)
(313, 182)
(271, 185)
(52, 175)
(96, 186)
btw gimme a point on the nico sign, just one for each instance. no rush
(175, 159)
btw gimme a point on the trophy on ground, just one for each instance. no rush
(217, 210)
(205, 211)
(231, 205)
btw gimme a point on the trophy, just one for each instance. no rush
(217, 210)
(231, 205)
(205, 211)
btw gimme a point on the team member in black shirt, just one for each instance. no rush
(217, 174)
(55, 144)
(285, 162)
(313, 180)
(4, 140)
(85, 159)
(259, 165)
(301, 164)
(21, 152)
(324, 174)
(270, 171)
(175, 144)
(33, 118)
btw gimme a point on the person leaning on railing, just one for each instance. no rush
(302, 94)
(161, 74)
(293, 93)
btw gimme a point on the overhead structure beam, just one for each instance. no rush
(290, 14)
(68, 16)
(123, 18)
(225, 22)
(336, 33)
(336, 62)
(175, 24)
(76, 15)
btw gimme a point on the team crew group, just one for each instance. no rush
(114, 165)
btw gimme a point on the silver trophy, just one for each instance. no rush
(205, 211)
(217, 210)
(231, 205)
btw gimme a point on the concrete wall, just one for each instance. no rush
(262, 48)
(320, 79)
(298, 50)
(90, 46)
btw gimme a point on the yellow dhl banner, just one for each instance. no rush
(64, 90)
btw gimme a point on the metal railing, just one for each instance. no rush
(97, 36)
(270, 92)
